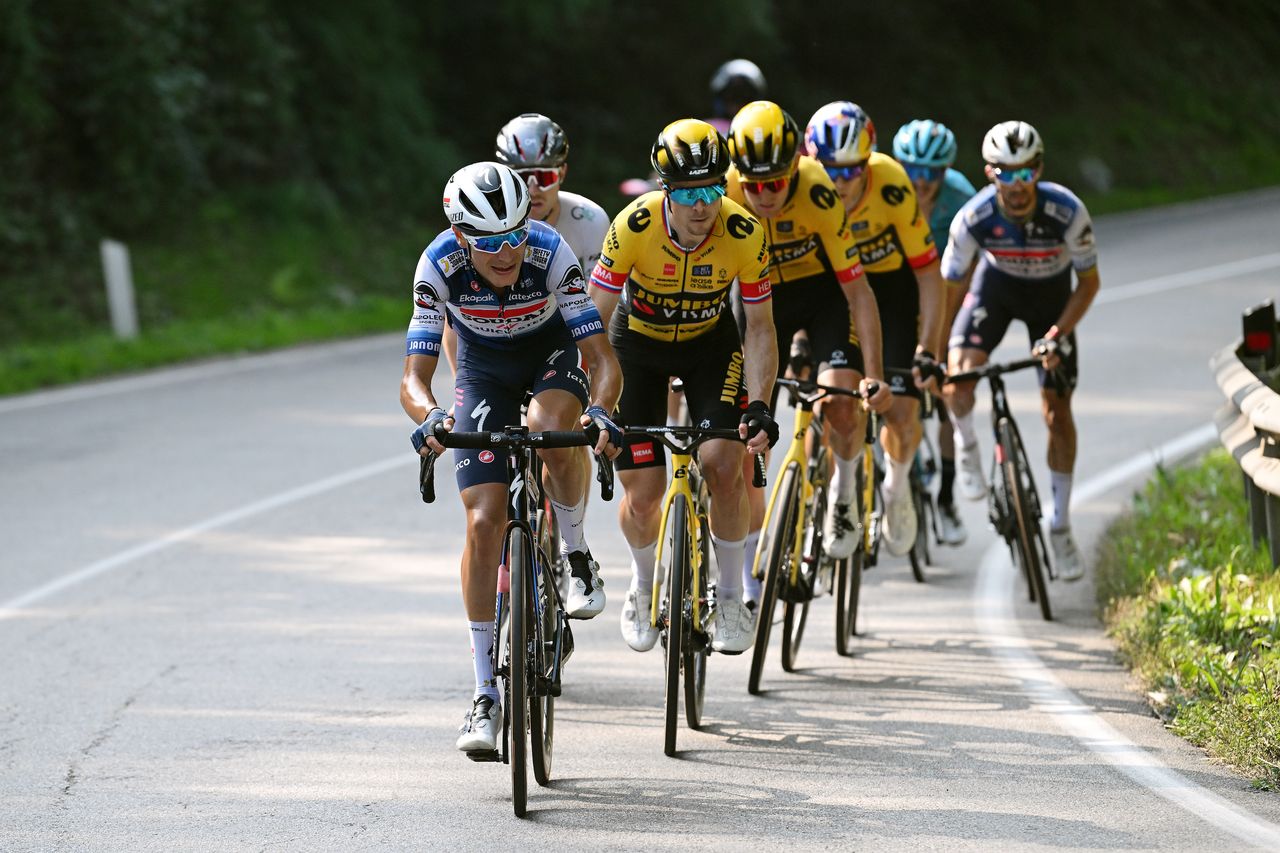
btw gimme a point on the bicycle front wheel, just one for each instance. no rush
(1018, 484)
(778, 540)
(521, 617)
(796, 598)
(922, 506)
(697, 645)
(544, 639)
(678, 524)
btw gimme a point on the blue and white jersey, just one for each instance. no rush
(952, 195)
(549, 291)
(1057, 236)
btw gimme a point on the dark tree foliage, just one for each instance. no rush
(124, 117)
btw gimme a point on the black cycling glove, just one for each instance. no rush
(928, 366)
(757, 418)
(433, 426)
(605, 424)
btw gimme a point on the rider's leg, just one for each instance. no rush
(486, 511)
(566, 468)
(900, 437)
(755, 508)
(845, 431)
(721, 464)
(1062, 452)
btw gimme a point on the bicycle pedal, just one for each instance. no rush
(483, 755)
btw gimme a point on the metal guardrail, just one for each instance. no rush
(1249, 422)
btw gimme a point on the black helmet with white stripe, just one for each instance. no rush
(531, 140)
(486, 198)
(1012, 143)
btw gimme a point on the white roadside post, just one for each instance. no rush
(119, 276)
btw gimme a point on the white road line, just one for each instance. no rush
(993, 609)
(10, 608)
(1186, 279)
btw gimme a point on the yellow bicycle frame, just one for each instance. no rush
(869, 481)
(679, 485)
(797, 454)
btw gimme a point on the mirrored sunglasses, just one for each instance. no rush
(689, 196)
(493, 243)
(776, 185)
(928, 174)
(846, 173)
(544, 178)
(1026, 175)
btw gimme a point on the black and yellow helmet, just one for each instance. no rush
(763, 140)
(690, 150)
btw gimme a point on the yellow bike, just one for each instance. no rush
(790, 557)
(683, 611)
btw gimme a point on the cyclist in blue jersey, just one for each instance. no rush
(926, 149)
(1026, 236)
(513, 291)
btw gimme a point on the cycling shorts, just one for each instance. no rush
(491, 385)
(711, 367)
(996, 298)
(818, 307)
(898, 298)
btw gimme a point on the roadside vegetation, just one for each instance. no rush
(1193, 612)
(275, 166)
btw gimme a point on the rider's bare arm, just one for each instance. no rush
(760, 349)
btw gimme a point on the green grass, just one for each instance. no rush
(1192, 606)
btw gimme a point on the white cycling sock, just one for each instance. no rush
(844, 478)
(1061, 485)
(963, 429)
(570, 518)
(642, 560)
(750, 584)
(729, 554)
(481, 662)
(897, 477)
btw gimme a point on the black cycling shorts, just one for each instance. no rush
(711, 367)
(490, 388)
(995, 299)
(898, 298)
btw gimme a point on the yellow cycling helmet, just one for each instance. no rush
(689, 150)
(763, 140)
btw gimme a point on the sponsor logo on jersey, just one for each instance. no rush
(893, 194)
(702, 270)
(571, 283)
(463, 464)
(979, 213)
(786, 226)
(639, 220)
(875, 250)
(452, 262)
(669, 252)
(851, 252)
(786, 252)
(486, 456)
(424, 295)
(668, 269)
(997, 231)
(612, 239)
(605, 261)
(548, 374)
(1060, 212)
(579, 212)
(427, 347)
(540, 258)
(475, 287)
(465, 298)
(641, 452)
(705, 423)
(587, 328)
(739, 226)
(860, 225)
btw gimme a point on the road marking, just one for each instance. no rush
(1186, 279)
(993, 609)
(10, 608)
(193, 372)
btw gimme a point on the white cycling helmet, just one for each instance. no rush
(1012, 143)
(486, 198)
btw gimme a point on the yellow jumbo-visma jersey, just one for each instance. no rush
(808, 237)
(673, 294)
(886, 224)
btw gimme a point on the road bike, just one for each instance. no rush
(683, 610)
(531, 626)
(790, 558)
(1013, 504)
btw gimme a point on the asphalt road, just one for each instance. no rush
(228, 622)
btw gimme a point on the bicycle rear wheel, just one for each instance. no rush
(848, 589)
(543, 642)
(775, 544)
(1018, 482)
(521, 617)
(678, 524)
(697, 645)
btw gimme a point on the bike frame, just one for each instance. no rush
(797, 455)
(683, 474)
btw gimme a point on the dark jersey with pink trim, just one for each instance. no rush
(549, 291)
(1057, 236)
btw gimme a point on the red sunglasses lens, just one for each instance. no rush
(775, 186)
(544, 177)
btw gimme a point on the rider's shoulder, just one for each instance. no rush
(955, 181)
(980, 208)
(443, 254)
(739, 223)
(1057, 201)
(579, 207)
(814, 191)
